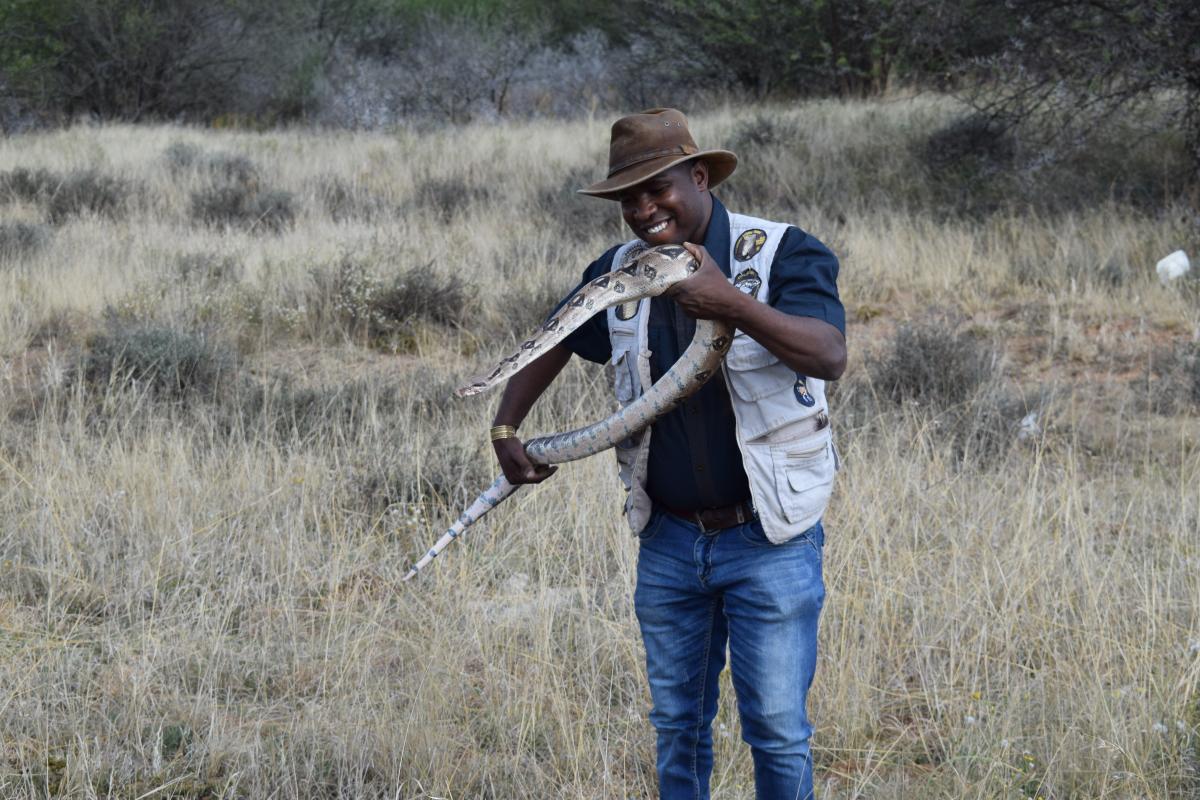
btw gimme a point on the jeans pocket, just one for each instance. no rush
(653, 526)
(752, 533)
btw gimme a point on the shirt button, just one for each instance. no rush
(699, 468)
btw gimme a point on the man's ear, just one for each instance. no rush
(700, 174)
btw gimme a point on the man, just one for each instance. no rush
(727, 491)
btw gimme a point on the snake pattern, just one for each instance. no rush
(645, 272)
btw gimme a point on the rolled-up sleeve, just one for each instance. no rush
(804, 279)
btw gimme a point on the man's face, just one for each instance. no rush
(671, 208)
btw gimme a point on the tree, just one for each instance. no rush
(1074, 65)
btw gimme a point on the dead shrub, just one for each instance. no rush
(245, 206)
(85, 191)
(167, 362)
(29, 185)
(447, 197)
(19, 239)
(365, 307)
(934, 364)
(207, 270)
(222, 166)
(88, 192)
(344, 200)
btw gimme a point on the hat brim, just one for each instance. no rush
(721, 164)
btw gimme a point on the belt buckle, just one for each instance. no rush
(700, 522)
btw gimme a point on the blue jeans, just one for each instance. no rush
(697, 591)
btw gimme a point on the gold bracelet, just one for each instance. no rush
(499, 432)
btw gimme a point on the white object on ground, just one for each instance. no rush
(1173, 266)
(1028, 427)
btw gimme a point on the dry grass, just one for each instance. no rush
(198, 589)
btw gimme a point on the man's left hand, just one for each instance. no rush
(706, 293)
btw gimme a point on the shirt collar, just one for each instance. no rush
(716, 238)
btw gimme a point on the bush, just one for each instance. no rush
(243, 205)
(63, 196)
(343, 200)
(447, 196)
(207, 269)
(30, 185)
(933, 364)
(761, 131)
(21, 238)
(227, 167)
(87, 191)
(167, 362)
(361, 305)
(973, 138)
(1173, 379)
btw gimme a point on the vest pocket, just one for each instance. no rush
(754, 371)
(623, 364)
(803, 478)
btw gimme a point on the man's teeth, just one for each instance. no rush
(659, 228)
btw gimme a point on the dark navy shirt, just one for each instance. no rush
(694, 461)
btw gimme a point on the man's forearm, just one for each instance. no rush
(524, 388)
(808, 345)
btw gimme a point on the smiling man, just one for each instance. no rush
(725, 493)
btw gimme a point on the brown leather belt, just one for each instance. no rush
(712, 520)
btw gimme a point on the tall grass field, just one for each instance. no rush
(227, 361)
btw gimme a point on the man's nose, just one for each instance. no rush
(644, 208)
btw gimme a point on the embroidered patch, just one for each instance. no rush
(749, 243)
(627, 311)
(748, 282)
(801, 391)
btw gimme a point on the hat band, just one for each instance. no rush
(684, 149)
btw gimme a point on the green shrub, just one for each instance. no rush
(167, 362)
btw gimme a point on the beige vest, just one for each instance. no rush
(782, 424)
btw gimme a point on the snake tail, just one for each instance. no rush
(493, 496)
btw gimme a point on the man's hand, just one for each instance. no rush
(707, 293)
(516, 465)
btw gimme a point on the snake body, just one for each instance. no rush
(644, 273)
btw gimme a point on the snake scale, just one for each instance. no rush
(645, 272)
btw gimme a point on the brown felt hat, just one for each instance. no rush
(650, 142)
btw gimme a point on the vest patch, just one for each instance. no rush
(801, 389)
(749, 243)
(748, 282)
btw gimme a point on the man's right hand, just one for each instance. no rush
(516, 465)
